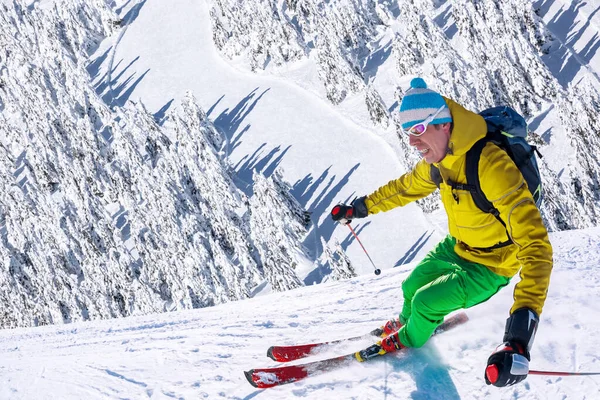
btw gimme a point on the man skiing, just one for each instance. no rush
(482, 251)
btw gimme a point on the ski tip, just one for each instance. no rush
(249, 375)
(270, 354)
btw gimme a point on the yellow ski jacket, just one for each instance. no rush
(504, 186)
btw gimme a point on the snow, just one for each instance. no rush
(279, 118)
(203, 353)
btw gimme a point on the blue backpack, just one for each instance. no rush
(508, 130)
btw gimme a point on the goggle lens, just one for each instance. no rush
(417, 129)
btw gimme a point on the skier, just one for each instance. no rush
(480, 254)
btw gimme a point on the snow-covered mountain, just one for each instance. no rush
(157, 158)
(162, 156)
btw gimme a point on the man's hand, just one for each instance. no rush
(344, 214)
(509, 364)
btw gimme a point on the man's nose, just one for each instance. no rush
(412, 140)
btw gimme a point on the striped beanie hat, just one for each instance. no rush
(419, 103)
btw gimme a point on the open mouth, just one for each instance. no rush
(424, 151)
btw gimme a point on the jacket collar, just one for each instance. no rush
(468, 128)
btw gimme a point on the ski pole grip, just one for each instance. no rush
(336, 210)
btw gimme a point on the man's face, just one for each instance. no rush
(433, 143)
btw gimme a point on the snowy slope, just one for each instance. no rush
(203, 353)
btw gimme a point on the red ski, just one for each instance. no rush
(296, 352)
(263, 378)
(268, 377)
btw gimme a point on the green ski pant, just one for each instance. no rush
(443, 282)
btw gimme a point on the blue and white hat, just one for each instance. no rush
(419, 103)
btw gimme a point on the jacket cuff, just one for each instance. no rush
(521, 327)
(360, 208)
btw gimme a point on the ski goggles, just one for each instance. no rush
(421, 127)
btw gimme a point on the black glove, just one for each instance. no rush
(344, 214)
(509, 363)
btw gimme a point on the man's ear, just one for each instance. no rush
(447, 127)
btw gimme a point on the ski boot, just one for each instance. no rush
(393, 325)
(388, 344)
(391, 343)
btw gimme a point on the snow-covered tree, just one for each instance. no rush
(278, 226)
(376, 107)
(259, 29)
(338, 32)
(337, 261)
(103, 212)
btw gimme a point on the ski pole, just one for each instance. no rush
(560, 373)
(377, 270)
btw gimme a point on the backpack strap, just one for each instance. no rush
(472, 172)
(479, 198)
(473, 186)
(435, 175)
